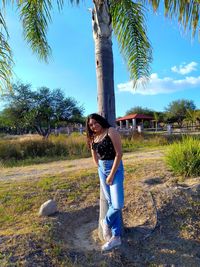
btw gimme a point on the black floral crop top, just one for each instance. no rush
(104, 149)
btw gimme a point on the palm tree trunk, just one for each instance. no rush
(102, 33)
(105, 83)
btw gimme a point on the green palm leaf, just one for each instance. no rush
(35, 16)
(6, 61)
(75, 2)
(129, 27)
(186, 11)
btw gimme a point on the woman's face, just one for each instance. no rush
(95, 126)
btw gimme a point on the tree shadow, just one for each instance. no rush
(154, 181)
(171, 242)
(163, 244)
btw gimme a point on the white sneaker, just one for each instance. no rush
(114, 242)
(106, 231)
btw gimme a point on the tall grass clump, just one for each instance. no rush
(135, 141)
(75, 144)
(183, 157)
(26, 151)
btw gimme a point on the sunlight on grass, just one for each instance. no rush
(184, 157)
(20, 201)
(32, 149)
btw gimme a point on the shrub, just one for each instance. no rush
(9, 151)
(183, 157)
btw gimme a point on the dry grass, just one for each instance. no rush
(153, 197)
(33, 149)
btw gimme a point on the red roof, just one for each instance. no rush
(135, 116)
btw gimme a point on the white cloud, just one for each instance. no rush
(158, 85)
(185, 69)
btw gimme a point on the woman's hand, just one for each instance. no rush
(109, 180)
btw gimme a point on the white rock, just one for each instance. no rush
(48, 208)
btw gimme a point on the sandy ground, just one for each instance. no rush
(61, 167)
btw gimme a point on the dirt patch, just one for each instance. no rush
(65, 166)
(84, 236)
(77, 229)
(161, 229)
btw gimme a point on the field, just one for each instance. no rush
(161, 215)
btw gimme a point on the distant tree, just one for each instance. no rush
(177, 110)
(8, 121)
(41, 109)
(198, 115)
(191, 116)
(140, 110)
(19, 103)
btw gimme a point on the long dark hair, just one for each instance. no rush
(101, 120)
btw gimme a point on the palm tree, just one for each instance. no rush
(127, 20)
(124, 17)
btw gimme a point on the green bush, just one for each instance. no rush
(183, 157)
(10, 151)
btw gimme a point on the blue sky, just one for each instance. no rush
(175, 69)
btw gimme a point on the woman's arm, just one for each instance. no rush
(116, 140)
(94, 157)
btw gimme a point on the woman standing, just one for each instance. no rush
(106, 149)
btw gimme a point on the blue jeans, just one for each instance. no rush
(114, 194)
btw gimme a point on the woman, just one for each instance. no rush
(106, 149)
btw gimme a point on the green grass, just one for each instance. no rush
(19, 206)
(20, 201)
(183, 157)
(131, 169)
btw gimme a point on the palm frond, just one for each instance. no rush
(187, 12)
(128, 22)
(35, 16)
(7, 2)
(6, 61)
(75, 2)
(60, 4)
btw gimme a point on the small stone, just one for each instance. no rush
(48, 208)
